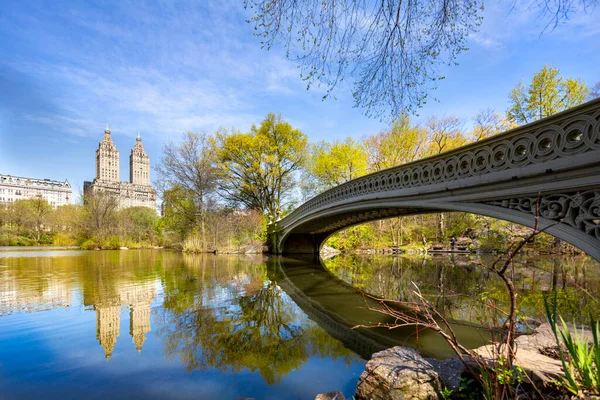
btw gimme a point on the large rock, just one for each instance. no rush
(398, 373)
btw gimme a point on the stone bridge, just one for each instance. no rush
(549, 168)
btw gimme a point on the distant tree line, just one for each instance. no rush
(96, 224)
(219, 191)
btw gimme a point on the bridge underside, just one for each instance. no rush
(573, 217)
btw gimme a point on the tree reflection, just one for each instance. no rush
(460, 289)
(232, 326)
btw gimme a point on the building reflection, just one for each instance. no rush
(33, 295)
(139, 298)
(108, 283)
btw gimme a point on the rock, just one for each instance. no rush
(123, 248)
(540, 368)
(335, 395)
(531, 354)
(396, 374)
(449, 371)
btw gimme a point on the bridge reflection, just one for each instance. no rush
(337, 307)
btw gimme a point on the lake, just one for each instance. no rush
(161, 324)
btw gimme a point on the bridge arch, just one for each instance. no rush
(550, 167)
(298, 241)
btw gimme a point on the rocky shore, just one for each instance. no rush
(401, 373)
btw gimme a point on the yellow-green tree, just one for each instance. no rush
(259, 167)
(547, 94)
(38, 210)
(332, 164)
(401, 144)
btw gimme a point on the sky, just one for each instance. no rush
(68, 69)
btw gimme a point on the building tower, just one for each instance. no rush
(139, 164)
(107, 159)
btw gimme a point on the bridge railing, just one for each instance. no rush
(566, 134)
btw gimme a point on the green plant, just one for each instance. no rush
(89, 244)
(113, 243)
(468, 389)
(446, 393)
(581, 362)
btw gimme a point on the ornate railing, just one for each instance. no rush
(566, 134)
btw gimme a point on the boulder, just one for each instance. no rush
(335, 395)
(449, 371)
(398, 373)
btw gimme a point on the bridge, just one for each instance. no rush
(549, 168)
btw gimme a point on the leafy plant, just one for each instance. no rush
(446, 393)
(581, 362)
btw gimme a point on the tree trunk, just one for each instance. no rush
(440, 224)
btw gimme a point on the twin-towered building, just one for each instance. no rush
(138, 191)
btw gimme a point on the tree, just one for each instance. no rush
(547, 94)
(139, 222)
(392, 49)
(488, 123)
(335, 163)
(401, 144)
(595, 91)
(259, 166)
(99, 214)
(179, 211)
(39, 209)
(444, 134)
(191, 167)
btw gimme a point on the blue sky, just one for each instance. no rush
(162, 68)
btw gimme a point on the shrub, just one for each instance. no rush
(63, 239)
(113, 243)
(89, 244)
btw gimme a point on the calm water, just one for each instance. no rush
(159, 324)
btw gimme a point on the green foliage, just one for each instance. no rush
(446, 393)
(402, 143)
(112, 243)
(581, 361)
(336, 163)
(547, 94)
(89, 244)
(259, 167)
(64, 239)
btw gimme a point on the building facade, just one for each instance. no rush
(56, 193)
(137, 192)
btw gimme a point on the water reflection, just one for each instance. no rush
(206, 312)
(462, 289)
(264, 324)
(339, 306)
(253, 327)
